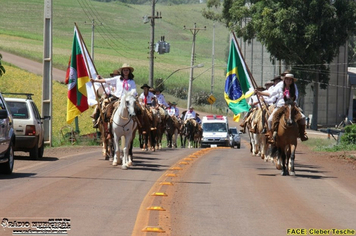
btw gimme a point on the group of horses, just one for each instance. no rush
(282, 151)
(130, 117)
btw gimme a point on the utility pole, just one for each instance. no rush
(194, 31)
(47, 71)
(92, 38)
(212, 63)
(152, 47)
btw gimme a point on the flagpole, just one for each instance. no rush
(254, 84)
(84, 46)
(96, 95)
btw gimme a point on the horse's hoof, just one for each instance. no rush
(114, 163)
(124, 167)
(130, 163)
(111, 159)
(292, 173)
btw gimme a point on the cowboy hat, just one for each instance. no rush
(152, 90)
(124, 66)
(115, 73)
(278, 77)
(174, 103)
(145, 86)
(290, 76)
(269, 84)
(191, 107)
(285, 72)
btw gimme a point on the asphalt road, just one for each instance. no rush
(213, 192)
(205, 192)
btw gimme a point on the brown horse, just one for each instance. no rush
(146, 130)
(286, 134)
(172, 129)
(198, 135)
(105, 132)
(161, 117)
(189, 130)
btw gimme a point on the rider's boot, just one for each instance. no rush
(271, 136)
(302, 134)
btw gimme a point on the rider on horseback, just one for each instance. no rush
(119, 83)
(148, 101)
(286, 89)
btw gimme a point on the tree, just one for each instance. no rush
(306, 34)
(2, 69)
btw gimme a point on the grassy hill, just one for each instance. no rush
(120, 36)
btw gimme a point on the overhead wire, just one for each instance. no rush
(104, 33)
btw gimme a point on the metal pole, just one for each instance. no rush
(191, 70)
(212, 63)
(150, 83)
(47, 71)
(194, 31)
(92, 40)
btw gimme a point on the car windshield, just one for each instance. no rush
(214, 127)
(18, 109)
(233, 131)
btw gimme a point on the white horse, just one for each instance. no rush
(124, 124)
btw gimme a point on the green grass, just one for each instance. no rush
(120, 36)
(317, 144)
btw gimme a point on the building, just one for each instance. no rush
(335, 102)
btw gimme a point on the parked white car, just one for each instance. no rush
(28, 124)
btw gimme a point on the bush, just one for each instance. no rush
(350, 135)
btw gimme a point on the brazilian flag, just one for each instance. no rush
(238, 84)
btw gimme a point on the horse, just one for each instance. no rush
(162, 117)
(284, 121)
(106, 139)
(189, 131)
(124, 124)
(172, 128)
(198, 134)
(258, 139)
(146, 131)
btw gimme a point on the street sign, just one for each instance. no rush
(211, 99)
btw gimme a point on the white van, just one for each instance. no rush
(215, 131)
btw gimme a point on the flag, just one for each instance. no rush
(238, 84)
(80, 70)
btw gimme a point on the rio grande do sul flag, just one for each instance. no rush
(77, 76)
(238, 84)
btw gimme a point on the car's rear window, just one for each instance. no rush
(18, 110)
(233, 131)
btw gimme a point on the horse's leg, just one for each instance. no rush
(117, 149)
(153, 139)
(130, 153)
(283, 160)
(169, 140)
(174, 138)
(291, 160)
(124, 159)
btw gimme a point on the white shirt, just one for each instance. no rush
(189, 115)
(120, 85)
(150, 97)
(161, 100)
(171, 111)
(277, 92)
